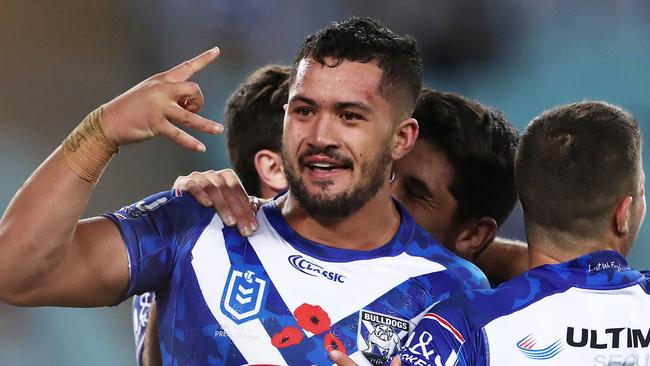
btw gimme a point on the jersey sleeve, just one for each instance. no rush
(154, 230)
(141, 308)
(443, 338)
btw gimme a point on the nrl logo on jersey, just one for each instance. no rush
(380, 336)
(243, 295)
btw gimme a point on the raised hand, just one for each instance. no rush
(155, 106)
(223, 191)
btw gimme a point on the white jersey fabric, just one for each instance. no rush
(592, 310)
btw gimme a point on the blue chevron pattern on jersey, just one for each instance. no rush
(590, 310)
(276, 297)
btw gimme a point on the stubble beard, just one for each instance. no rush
(340, 205)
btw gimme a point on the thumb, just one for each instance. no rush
(396, 361)
(340, 358)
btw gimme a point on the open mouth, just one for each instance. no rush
(322, 166)
(325, 164)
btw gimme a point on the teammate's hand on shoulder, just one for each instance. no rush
(157, 104)
(223, 191)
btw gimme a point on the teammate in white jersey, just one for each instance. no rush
(335, 259)
(581, 184)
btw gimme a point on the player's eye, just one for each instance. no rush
(303, 111)
(351, 116)
(417, 191)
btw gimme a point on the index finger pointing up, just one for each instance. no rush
(184, 71)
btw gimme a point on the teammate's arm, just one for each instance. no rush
(49, 257)
(151, 355)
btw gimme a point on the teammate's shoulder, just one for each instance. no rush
(481, 306)
(425, 246)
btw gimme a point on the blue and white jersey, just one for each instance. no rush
(592, 310)
(141, 308)
(275, 297)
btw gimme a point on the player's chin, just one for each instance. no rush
(328, 189)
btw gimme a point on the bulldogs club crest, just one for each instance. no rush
(243, 296)
(380, 336)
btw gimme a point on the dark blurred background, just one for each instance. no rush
(61, 59)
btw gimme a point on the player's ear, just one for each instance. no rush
(270, 170)
(475, 236)
(622, 215)
(404, 138)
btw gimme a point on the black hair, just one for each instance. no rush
(480, 145)
(366, 40)
(575, 162)
(254, 117)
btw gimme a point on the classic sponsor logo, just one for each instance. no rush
(243, 295)
(312, 269)
(529, 348)
(608, 338)
(380, 336)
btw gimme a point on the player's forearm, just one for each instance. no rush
(46, 256)
(38, 226)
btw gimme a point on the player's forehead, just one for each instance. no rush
(347, 82)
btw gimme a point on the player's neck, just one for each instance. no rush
(372, 226)
(554, 247)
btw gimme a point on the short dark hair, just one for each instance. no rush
(480, 145)
(365, 40)
(574, 163)
(254, 118)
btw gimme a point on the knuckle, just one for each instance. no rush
(219, 181)
(187, 118)
(196, 89)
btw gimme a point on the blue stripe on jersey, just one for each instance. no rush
(275, 314)
(469, 275)
(189, 345)
(327, 253)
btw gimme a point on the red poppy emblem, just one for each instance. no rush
(288, 336)
(331, 342)
(312, 318)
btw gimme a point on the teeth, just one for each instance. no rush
(322, 165)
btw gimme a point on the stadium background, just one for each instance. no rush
(60, 59)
